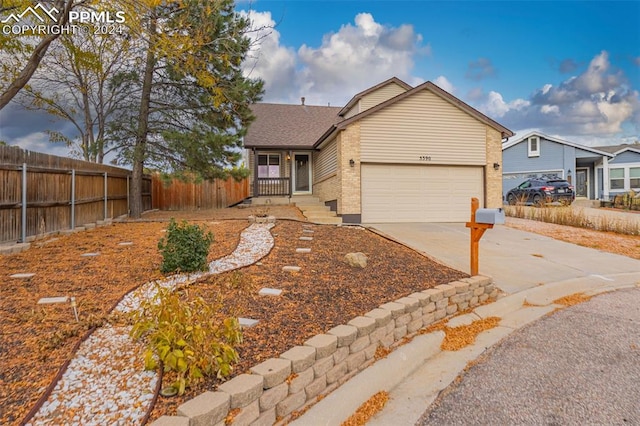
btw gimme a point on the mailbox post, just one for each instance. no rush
(481, 220)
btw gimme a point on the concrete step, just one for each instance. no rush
(329, 220)
(319, 214)
(259, 201)
(305, 199)
(313, 207)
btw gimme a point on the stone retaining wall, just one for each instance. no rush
(278, 387)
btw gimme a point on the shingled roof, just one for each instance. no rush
(289, 126)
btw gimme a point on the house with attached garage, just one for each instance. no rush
(393, 153)
(597, 173)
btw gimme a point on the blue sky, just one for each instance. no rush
(568, 68)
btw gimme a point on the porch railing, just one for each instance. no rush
(272, 187)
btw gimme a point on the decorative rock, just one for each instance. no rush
(90, 254)
(356, 260)
(306, 238)
(270, 292)
(126, 243)
(303, 250)
(308, 231)
(25, 275)
(291, 268)
(247, 322)
(52, 300)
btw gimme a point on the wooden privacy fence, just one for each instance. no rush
(41, 193)
(180, 195)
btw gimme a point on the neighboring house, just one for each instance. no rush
(623, 171)
(537, 155)
(394, 153)
(595, 172)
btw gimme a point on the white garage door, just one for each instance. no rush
(393, 193)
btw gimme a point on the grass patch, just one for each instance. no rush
(573, 217)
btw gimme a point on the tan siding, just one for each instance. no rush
(423, 125)
(382, 94)
(353, 111)
(325, 162)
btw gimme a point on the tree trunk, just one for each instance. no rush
(139, 150)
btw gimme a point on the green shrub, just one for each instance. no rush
(184, 248)
(189, 337)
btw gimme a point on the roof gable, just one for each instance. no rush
(425, 86)
(364, 93)
(595, 150)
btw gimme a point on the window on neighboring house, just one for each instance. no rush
(616, 178)
(268, 165)
(634, 177)
(534, 146)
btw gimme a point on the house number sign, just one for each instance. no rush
(425, 158)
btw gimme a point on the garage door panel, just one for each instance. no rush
(395, 193)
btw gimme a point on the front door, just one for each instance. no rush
(582, 189)
(301, 173)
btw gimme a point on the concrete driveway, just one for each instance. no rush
(516, 260)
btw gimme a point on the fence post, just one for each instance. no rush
(23, 233)
(106, 198)
(128, 211)
(73, 199)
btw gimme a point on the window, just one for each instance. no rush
(634, 177)
(534, 146)
(268, 165)
(616, 178)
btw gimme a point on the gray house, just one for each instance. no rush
(622, 173)
(536, 155)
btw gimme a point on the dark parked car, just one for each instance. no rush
(540, 191)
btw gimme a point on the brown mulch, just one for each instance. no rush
(625, 245)
(37, 340)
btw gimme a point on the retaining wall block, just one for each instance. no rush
(370, 351)
(301, 381)
(207, 408)
(403, 320)
(340, 354)
(316, 387)
(414, 325)
(410, 303)
(171, 421)
(267, 418)
(440, 313)
(460, 286)
(434, 294)
(423, 298)
(359, 344)
(346, 334)
(365, 325)
(479, 279)
(301, 357)
(274, 371)
(452, 309)
(291, 403)
(396, 309)
(247, 415)
(325, 344)
(377, 334)
(337, 372)
(323, 365)
(243, 389)
(382, 316)
(354, 361)
(442, 303)
(271, 397)
(400, 332)
(447, 289)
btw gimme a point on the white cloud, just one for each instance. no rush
(268, 60)
(39, 142)
(445, 84)
(597, 103)
(352, 59)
